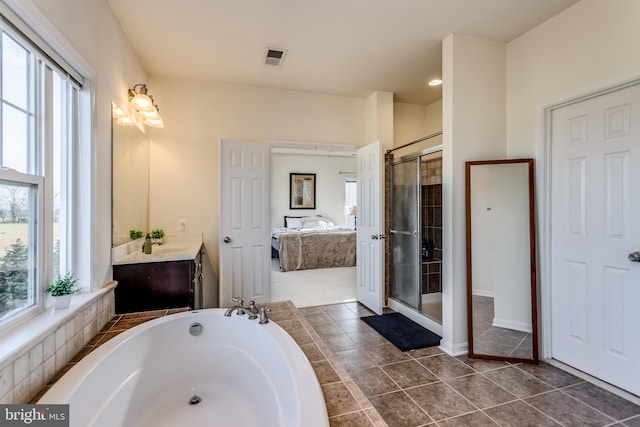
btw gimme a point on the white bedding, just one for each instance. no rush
(317, 243)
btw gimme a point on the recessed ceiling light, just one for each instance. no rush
(435, 82)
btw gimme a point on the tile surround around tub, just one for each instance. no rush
(23, 374)
(367, 382)
(346, 404)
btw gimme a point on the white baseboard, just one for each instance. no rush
(511, 324)
(454, 350)
(483, 293)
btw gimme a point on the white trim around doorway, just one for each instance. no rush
(544, 209)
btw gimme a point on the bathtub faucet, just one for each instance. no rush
(251, 309)
(240, 308)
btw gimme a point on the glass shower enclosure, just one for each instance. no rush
(416, 232)
(405, 232)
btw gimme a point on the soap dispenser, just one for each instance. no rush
(147, 244)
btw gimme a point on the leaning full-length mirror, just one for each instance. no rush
(501, 260)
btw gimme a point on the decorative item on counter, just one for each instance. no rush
(147, 244)
(157, 236)
(62, 288)
(135, 234)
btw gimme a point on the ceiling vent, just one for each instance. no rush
(274, 56)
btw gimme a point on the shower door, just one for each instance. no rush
(405, 232)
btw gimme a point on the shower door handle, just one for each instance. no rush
(406, 233)
(634, 256)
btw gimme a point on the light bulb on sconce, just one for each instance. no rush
(154, 123)
(122, 118)
(124, 121)
(117, 110)
(145, 107)
(150, 114)
(139, 99)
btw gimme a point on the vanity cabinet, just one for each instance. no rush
(158, 285)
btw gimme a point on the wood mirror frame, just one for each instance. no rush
(501, 236)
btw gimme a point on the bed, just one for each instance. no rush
(313, 242)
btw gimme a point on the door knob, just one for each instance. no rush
(227, 239)
(634, 256)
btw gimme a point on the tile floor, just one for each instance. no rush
(369, 382)
(429, 388)
(489, 339)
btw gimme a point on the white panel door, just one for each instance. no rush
(245, 224)
(369, 259)
(595, 287)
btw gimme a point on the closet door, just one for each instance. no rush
(405, 232)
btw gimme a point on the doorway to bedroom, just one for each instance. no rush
(316, 243)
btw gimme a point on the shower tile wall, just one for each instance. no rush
(432, 223)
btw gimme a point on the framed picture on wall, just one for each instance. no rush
(302, 191)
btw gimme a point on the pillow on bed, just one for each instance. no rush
(295, 223)
(317, 222)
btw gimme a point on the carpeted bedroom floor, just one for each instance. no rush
(308, 288)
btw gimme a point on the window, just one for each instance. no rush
(38, 116)
(350, 202)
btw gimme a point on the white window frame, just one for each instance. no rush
(37, 227)
(354, 182)
(41, 139)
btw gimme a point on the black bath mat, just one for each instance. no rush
(402, 332)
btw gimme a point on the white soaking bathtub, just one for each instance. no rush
(236, 372)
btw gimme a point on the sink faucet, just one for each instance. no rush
(152, 243)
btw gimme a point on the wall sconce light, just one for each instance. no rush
(144, 105)
(120, 115)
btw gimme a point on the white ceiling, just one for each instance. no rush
(339, 47)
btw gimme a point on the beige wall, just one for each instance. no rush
(87, 34)
(329, 185)
(197, 114)
(588, 47)
(583, 49)
(409, 123)
(473, 129)
(379, 123)
(412, 121)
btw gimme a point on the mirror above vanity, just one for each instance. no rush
(130, 180)
(501, 260)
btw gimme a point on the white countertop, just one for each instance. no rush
(175, 247)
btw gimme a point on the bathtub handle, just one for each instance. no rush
(264, 318)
